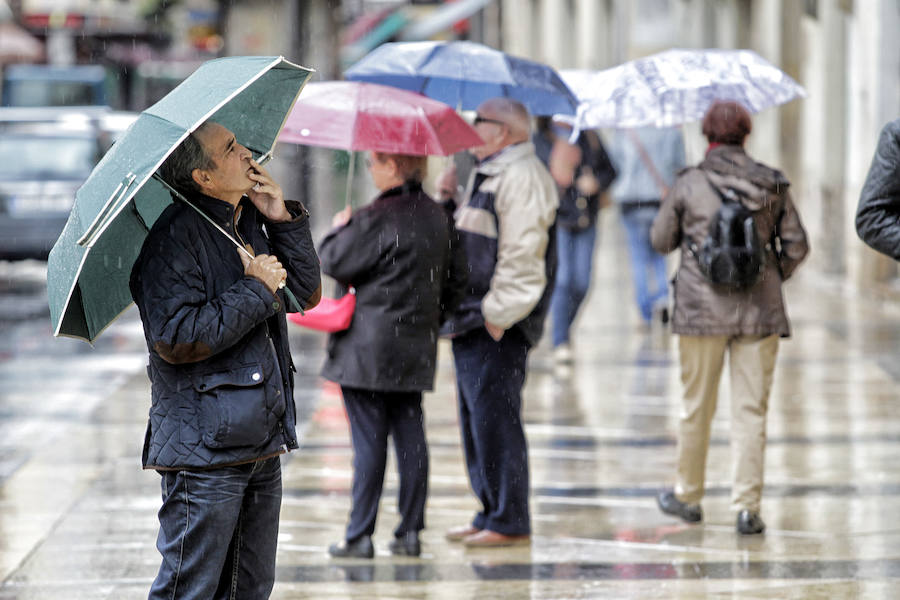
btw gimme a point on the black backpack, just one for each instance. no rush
(731, 256)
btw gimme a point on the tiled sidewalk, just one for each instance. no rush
(77, 518)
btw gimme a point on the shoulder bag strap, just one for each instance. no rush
(648, 162)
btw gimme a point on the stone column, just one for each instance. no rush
(833, 122)
(592, 32)
(517, 27)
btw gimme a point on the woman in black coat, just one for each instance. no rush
(401, 254)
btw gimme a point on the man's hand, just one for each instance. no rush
(266, 268)
(495, 331)
(586, 183)
(266, 195)
(446, 183)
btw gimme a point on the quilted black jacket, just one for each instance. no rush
(878, 212)
(220, 364)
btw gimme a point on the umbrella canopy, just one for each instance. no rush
(676, 87)
(355, 116)
(90, 264)
(464, 74)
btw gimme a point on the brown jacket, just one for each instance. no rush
(685, 214)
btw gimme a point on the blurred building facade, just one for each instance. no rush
(844, 52)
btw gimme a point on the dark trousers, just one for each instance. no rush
(373, 415)
(218, 531)
(490, 376)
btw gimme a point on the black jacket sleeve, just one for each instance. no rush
(878, 213)
(349, 253)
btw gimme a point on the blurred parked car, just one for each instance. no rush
(45, 156)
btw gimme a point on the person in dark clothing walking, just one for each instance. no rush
(220, 365)
(506, 227)
(582, 172)
(401, 253)
(878, 213)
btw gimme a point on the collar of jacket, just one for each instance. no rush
(406, 189)
(732, 160)
(220, 211)
(498, 163)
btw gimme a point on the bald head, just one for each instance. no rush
(501, 122)
(511, 112)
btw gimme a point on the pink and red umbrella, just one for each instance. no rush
(355, 116)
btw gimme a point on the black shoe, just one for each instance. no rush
(750, 523)
(664, 315)
(406, 545)
(359, 548)
(669, 504)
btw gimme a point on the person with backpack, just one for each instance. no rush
(740, 237)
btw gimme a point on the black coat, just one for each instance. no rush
(878, 213)
(401, 253)
(220, 365)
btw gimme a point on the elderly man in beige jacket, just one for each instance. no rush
(505, 224)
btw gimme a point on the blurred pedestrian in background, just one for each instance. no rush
(506, 227)
(401, 253)
(647, 160)
(220, 364)
(582, 172)
(712, 320)
(878, 213)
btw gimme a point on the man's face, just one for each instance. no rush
(493, 130)
(228, 179)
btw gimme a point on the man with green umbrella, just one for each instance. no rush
(220, 364)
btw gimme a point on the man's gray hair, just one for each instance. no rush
(189, 155)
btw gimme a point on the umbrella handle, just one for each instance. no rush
(99, 223)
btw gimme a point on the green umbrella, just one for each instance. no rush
(90, 264)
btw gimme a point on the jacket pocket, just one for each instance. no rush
(233, 407)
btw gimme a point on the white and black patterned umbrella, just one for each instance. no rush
(676, 87)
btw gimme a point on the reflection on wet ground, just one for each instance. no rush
(78, 516)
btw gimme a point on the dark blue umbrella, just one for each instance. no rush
(464, 74)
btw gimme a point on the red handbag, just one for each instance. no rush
(330, 314)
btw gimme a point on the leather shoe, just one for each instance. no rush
(750, 523)
(406, 545)
(669, 504)
(458, 534)
(492, 539)
(358, 548)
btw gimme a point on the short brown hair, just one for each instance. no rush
(726, 122)
(411, 168)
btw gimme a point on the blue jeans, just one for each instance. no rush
(218, 532)
(489, 377)
(645, 261)
(575, 252)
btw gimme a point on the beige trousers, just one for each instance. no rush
(751, 362)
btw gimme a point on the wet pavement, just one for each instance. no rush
(78, 515)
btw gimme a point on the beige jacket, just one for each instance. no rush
(685, 214)
(515, 207)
